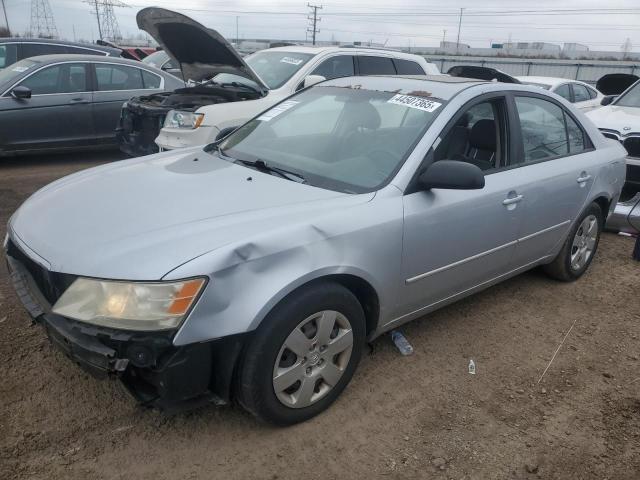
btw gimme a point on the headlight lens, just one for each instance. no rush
(179, 119)
(129, 306)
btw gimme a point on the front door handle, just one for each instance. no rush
(512, 200)
(584, 176)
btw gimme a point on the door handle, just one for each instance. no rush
(512, 200)
(78, 101)
(584, 176)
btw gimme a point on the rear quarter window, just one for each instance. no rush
(408, 67)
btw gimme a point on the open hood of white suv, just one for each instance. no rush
(201, 52)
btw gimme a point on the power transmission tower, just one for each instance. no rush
(313, 21)
(42, 23)
(108, 28)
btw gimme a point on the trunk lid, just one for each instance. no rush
(201, 52)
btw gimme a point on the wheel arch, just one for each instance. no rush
(361, 287)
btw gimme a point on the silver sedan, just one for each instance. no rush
(256, 268)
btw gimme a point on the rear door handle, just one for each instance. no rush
(512, 200)
(583, 177)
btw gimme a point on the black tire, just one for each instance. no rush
(560, 268)
(255, 389)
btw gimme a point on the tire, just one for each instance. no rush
(566, 267)
(261, 381)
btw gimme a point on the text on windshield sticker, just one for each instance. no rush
(20, 69)
(415, 102)
(292, 61)
(277, 110)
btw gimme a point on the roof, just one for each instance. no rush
(70, 57)
(113, 51)
(347, 49)
(438, 86)
(552, 81)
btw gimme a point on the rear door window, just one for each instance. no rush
(564, 91)
(407, 67)
(150, 80)
(8, 54)
(370, 65)
(542, 123)
(580, 93)
(118, 77)
(334, 67)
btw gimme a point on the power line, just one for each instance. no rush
(313, 20)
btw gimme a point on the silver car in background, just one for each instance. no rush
(256, 268)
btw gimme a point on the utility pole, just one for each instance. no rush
(459, 27)
(444, 35)
(237, 36)
(6, 19)
(313, 19)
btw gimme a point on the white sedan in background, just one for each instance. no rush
(582, 95)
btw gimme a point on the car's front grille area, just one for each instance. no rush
(631, 141)
(632, 144)
(50, 284)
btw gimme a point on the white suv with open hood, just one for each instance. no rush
(216, 74)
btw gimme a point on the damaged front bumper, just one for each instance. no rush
(154, 370)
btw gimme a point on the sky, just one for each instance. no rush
(602, 25)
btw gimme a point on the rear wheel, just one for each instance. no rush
(579, 248)
(303, 355)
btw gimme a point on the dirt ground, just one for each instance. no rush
(422, 416)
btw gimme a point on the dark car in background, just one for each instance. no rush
(64, 102)
(13, 50)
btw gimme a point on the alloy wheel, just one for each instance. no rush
(312, 359)
(584, 242)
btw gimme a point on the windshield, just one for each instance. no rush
(275, 67)
(11, 73)
(631, 98)
(343, 139)
(156, 59)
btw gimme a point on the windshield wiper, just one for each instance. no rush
(262, 166)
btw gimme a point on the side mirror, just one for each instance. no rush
(21, 92)
(312, 80)
(224, 132)
(607, 100)
(452, 175)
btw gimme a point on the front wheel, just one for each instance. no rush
(303, 354)
(579, 248)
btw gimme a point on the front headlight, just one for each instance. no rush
(179, 119)
(129, 306)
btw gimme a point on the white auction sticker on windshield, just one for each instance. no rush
(415, 102)
(277, 110)
(291, 60)
(20, 69)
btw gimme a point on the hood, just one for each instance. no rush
(612, 117)
(201, 52)
(615, 83)
(139, 219)
(481, 73)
